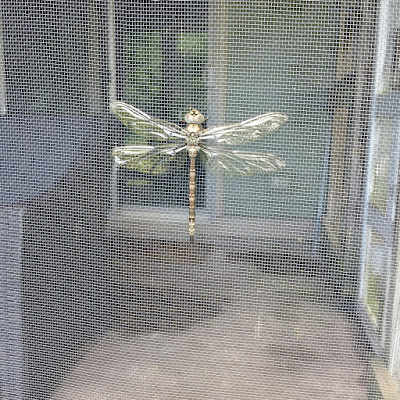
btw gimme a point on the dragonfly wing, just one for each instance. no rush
(149, 159)
(246, 131)
(236, 162)
(144, 125)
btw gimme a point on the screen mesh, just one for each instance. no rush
(285, 286)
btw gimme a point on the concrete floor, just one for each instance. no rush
(264, 336)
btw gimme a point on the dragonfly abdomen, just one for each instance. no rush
(194, 119)
(192, 191)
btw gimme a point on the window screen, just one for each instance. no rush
(265, 266)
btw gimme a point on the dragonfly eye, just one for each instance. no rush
(194, 117)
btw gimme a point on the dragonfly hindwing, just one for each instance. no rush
(242, 163)
(150, 159)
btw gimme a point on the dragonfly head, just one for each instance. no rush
(194, 117)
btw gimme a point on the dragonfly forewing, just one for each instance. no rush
(144, 125)
(246, 131)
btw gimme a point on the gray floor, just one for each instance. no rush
(264, 336)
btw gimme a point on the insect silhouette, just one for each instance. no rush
(161, 145)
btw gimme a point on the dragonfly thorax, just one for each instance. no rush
(194, 129)
(193, 134)
(193, 139)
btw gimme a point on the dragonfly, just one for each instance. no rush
(160, 145)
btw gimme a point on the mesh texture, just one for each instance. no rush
(290, 289)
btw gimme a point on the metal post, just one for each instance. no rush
(11, 341)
